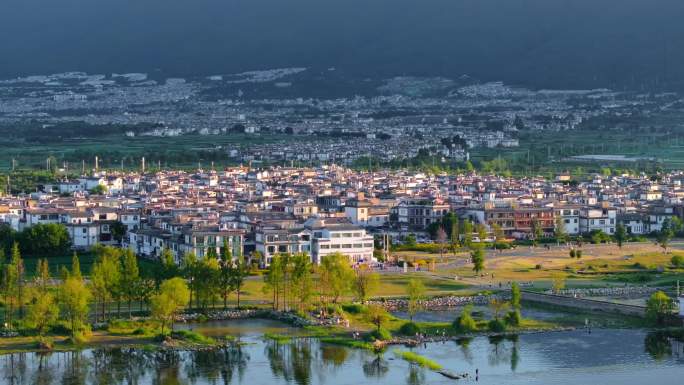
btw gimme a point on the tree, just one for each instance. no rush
(105, 276)
(190, 271)
(465, 322)
(441, 239)
(74, 297)
(499, 307)
(99, 190)
(481, 232)
(455, 235)
(130, 278)
(118, 231)
(410, 240)
(467, 232)
(659, 306)
(336, 276)
(42, 274)
(173, 295)
(366, 282)
(376, 315)
(498, 233)
(302, 280)
(559, 230)
(537, 231)
(477, 256)
(274, 279)
(225, 281)
(45, 240)
(515, 296)
(677, 260)
(415, 290)
(558, 284)
(665, 235)
(620, 234)
(75, 266)
(42, 311)
(239, 272)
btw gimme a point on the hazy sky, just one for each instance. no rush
(545, 43)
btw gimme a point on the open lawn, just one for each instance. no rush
(600, 265)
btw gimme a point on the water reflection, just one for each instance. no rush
(614, 357)
(376, 368)
(291, 361)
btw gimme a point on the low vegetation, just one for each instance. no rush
(418, 359)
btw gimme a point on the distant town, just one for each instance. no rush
(295, 115)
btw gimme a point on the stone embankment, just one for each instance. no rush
(614, 292)
(222, 315)
(440, 303)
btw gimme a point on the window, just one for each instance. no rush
(325, 246)
(358, 245)
(347, 246)
(334, 246)
(368, 244)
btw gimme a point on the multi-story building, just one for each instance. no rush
(418, 214)
(601, 218)
(329, 237)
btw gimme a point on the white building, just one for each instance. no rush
(339, 237)
(598, 218)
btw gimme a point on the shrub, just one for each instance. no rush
(353, 308)
(381, 334)
(572, 253)
(191, 336)
(538, 266)
(277, 338)
(45, 343)
(496, 326)
(677, 260)
(465, 322)
(578, 254)
(409, 329)
(513, 318)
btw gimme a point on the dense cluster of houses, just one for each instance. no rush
(328, 209)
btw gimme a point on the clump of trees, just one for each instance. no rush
(44, 240)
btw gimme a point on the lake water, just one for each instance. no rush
(602, 357)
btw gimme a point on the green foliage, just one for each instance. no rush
(173, 295)
(496, 326)
(477, 256)
(356, 344)
(658, 307)
(415, 290)
(418, 359)
(513, 318)
(279, 338)
(43, 240)
(465, 322)
(353, 308)
(409, 329)
(74, 298)
(380, 334)
(677, 260)
(335, 276)
(193, 337)
(377, 315)
(620, 234)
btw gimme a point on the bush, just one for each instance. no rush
(537, 267)
(45, 343)
(578, 254)
(353, 308)
(191, 336)
(496, 326)
(677, 260)
(513, 318)
(409, 329)
(381, 334)
(465, 322)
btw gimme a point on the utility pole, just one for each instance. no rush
(143, 165)
(83, 167)
(97, 163)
